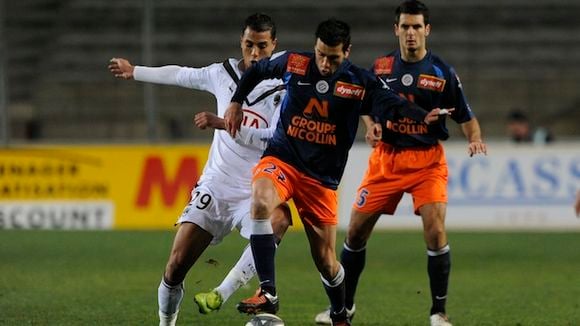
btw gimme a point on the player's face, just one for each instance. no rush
(256, 46)
(412, 33)
(329, 58)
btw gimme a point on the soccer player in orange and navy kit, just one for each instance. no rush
(306, 157)
(409, 157)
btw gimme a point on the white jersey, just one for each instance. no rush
(231, 161)
(227, 158)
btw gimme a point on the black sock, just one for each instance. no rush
(353, 262)
(438, 267)
(264, 250)
(335, 291)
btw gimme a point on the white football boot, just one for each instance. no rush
(323, 318)
(439, 320)
(167, 320)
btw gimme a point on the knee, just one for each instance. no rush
(260, 208)
(264, 199)
(435, 231)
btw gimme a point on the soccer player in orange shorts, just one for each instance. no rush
(408, 156)
(306, 157)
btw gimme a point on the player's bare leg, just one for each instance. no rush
(322, 241)
(189, 243)
(244, 269)
(353, 258)
(438, 255)
(263, 243)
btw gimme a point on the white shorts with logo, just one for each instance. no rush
(218, 208)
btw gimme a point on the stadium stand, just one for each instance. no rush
(508, 54)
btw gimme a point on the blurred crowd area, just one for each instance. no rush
(517, 60)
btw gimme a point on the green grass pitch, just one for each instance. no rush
(111, 278)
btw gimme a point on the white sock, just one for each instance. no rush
(169, 298)
(239, 275)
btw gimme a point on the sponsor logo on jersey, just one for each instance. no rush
(349, 91)
(308, 127)
(253, 119)
(312, 131)
(407, 126)
(297, 64)
(314, 105)
(384, 65)
(431, 83)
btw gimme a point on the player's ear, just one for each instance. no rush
(427, 29)
(347, 51)
(274, 43)
(396, 29)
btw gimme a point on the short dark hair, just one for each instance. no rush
(260, 22)
(333, 32)
(412, 7)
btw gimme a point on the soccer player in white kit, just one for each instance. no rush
(221, 199)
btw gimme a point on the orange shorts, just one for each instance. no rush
(316, 204)
(422, 172)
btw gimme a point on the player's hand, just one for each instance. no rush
(476, 147)
(374, 134)
(204, 120)
(435, 114)
(233, 118)
(121, 68)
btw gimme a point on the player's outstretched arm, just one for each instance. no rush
(121, 68)
(472, 132)
(165, 75)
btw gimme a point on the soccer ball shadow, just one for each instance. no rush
(265, 320)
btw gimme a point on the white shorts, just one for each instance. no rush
(218, 208)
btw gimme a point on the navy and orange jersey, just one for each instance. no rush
(319, 114)
(430, 83)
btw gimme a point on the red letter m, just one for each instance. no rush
(154, 176)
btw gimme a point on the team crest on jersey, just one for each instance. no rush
(297, 64)
(407, 80)
(322, 86)
(384, 65)
(431, 83)
(349, 91)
